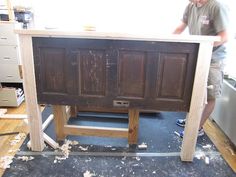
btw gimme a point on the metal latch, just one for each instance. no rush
(120, 103)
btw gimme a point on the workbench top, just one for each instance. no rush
(116, 36)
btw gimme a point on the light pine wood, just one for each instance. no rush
(2, 112)
(222, 143)
(117, 36)
(10, 10)
(12, 125)
(73, 111)
(32, 106)
(205, 49)
(197, 101)
(133, 126)
(96, 131)
(50, 141)
(44, 126)
(13, 116)
(60, 119)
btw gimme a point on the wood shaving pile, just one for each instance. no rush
(65, 148)
(5, 162)
(17, 139)
(202, 155)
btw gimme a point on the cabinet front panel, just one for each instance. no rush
(92, 72)
(171, 75)
(132, 70)
(53, 70)
(115, 73)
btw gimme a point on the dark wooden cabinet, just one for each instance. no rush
(115, 73)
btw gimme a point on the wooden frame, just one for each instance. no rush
(63, 129)
(198, 92)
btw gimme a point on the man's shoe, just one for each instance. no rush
(200, 133)
(181, 122)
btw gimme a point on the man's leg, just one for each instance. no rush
(209, 107)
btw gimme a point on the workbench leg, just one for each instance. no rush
(32, 106)
(197, 102)
(133, 126)
(60, 119)
(73, 111)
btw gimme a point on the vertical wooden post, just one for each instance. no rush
(73, 111)
(133, 126)
(60, 119)
(32, 106)
(10, 10)
(197, 101)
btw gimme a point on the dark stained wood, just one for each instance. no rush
(132, 70)
(92, 72)
(115, 73)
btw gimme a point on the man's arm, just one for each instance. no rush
(180, 28)
(223, 38)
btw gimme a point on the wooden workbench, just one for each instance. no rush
(155, 58)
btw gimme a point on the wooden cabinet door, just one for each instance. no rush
(155, 75)
(115, 73)
(73, 71)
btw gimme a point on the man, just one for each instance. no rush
(208, 17)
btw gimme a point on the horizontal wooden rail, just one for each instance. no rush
(96, 131)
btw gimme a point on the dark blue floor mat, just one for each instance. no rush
(156, 130)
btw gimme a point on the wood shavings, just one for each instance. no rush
(142, 146)
(207, 160)
(74, 143)
(231, 151)
(13, 150)
(175, 132)
(25, 158)
(135, 165)
(88, 174)
(17, 139)
(65, 148)
(208, 146)
(88, 160)
(200, 155)
(83, 149)
(60, 158)
(5, 162)
(124, 158)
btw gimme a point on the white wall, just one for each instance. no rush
(156, 16)
(130, 16)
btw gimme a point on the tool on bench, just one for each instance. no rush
(9, 133)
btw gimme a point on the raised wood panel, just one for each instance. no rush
(171, 75)
(115, 73)
(53, 69)
(92, 72)
(132, 70)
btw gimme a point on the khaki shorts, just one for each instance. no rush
(215, 79)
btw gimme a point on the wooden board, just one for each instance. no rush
(222, 143)
(12, 125)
